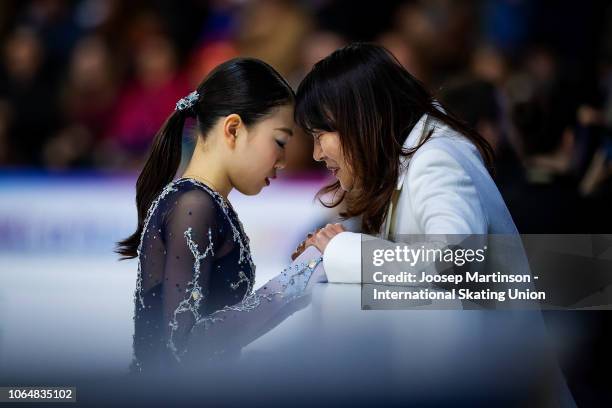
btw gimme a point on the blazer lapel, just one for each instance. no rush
(411, 141)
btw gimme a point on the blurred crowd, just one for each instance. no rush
(87, 83)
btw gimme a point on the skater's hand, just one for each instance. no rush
(320, 238)
(303, 245)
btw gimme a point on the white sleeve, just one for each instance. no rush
(443, 196)
(342, 258)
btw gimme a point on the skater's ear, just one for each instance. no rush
(231, 127)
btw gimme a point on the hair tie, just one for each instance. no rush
(188, 101)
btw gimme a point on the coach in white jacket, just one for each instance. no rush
(443, 189)
(409, 167)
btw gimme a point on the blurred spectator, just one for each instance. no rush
(479, 103)
(207, 57)
(88, 100)
(489, 64)
(440, 33)
(55, 23)
(69, 148)
(547, 133)
(216, 43)
(276, 43)
(505, 24)
(596, 180)
(145, 101)
(31, 97)
(317, 46)
(91, 87)
(475, 101)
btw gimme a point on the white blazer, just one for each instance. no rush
(444, 188)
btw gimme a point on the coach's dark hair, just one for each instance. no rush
(244, 86)
(362, 92)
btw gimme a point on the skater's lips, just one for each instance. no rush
(267, 179)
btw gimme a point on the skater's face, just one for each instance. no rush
(327, 148)
(260, 151)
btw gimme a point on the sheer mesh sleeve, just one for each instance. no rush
(235, 326)
(192, 236)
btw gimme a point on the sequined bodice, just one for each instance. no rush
(194, 259)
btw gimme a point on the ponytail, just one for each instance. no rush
(159, 170)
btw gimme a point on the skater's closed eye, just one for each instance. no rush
(288, 131)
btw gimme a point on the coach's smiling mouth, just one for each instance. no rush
(334, 170)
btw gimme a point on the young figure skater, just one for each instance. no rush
(194, 262)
